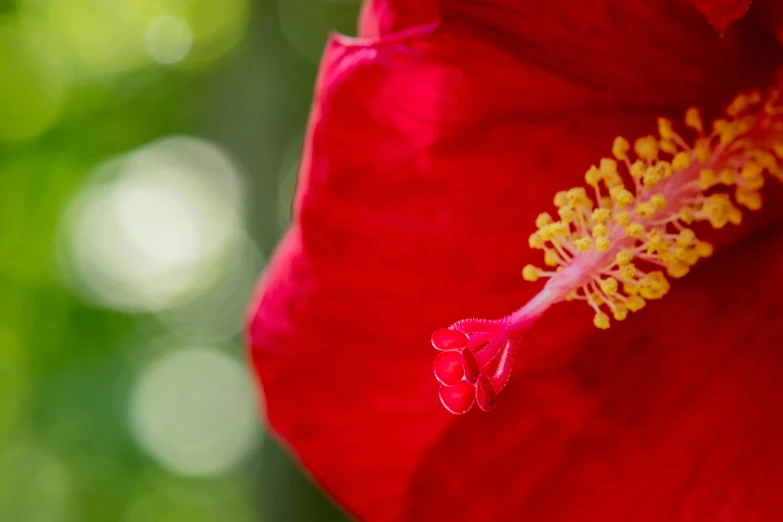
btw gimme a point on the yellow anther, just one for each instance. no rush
(535, 241)
(547, 233)
(608, 169)
(686, 215)
(623, 218)
(601, 320)
(621, 196)
(609, 286)
(739, 104)
(635, 303)
(531, 273)
(638, 168)
(561, 199)
(702, 150)
(665, 168)
(707, 178)
(602, 244)
(751, 170)
(607, 166)
(646, 148)
(620, 312)
(652, 177)
(716, 209)
(583, 244)
(665, 129)
(693, 119)
(623, 257)
(602, 215)
(550, 259)
(677, 270)
(543, 219)
(682, 160)
(650, 293)
(628, 271)
(559, 228)
(576, 197)
(566, 214)
(600, 230)
(690, 256)
(663, 254)
(718, 220)
(658, 201)
(655, 243)
(735, 215)
(635, 230)
(654, 285)
(593, 176)
(613, 180)
(726, 130)
(686, 238)
(754, 184)
(750, 199)
(606, 202)
(620, 148)
(668, 147)
(766, 159)
(644, 210)
(727, 176)
(704, 248)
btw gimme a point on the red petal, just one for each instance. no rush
(722, 13)
(382, 17)
(428, 157)
(770, 15)
(673, 415)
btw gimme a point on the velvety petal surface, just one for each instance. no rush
(429, 153)
(722, 13)
(673, 416)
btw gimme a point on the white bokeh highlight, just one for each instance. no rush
(168, 39)
(194, 410)
(156, 227)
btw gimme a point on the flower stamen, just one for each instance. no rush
(617, 249)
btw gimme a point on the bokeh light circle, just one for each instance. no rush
(109, 37)
(157, 227)
(194, 411)
(168, 39)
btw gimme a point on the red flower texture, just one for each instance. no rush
(437, 141)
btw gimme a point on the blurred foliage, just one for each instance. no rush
(126, 126)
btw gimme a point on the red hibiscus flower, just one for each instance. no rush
(436, 142)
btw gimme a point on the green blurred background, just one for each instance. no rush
(148, 152)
